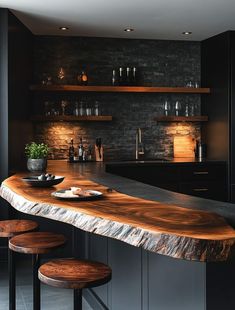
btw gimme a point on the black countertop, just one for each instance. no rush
(96, 172)
(167, 160)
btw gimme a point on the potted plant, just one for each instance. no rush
(37, 156)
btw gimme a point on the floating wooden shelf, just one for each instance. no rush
(119, 89)
(201, 118)
(71, 118)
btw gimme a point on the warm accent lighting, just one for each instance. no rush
(187, 33)
(64, 28)
(129, 29)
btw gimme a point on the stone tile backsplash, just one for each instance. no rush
(159, 63)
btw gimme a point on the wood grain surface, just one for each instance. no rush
(73, 273)
(36, 242)
(118, 89)
(9, 228)
(161, 228)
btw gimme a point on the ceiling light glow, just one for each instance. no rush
(129, 29)
(187, 32)
(64, 28)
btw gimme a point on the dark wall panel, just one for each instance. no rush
(3, 105)
(215, 74)
(20, 74)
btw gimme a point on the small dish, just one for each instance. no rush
(34, 181)
(69, 194)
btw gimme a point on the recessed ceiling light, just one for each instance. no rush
(64, 28)
(187, 32)
(129, 29)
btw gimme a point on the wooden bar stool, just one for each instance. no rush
(8, 229)
(74, 274)
(35, 243)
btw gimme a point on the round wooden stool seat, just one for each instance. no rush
(74, 273)
(36, 242)
(10, 228)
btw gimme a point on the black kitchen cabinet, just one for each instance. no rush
(202, 179)
(218, 73)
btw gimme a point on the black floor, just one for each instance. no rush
(51, 298)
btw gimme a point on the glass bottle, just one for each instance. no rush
(83, 78)
(81, 109)
(114, 78)
(71, 151)
(128, 78)
(88, 110)
(89, 152)
(80, 150)
(96, 108)
(186, 110)
(134, 76)
(76, 109)
(61, 76)
(120, 77)
(177, 108)
(192, 109)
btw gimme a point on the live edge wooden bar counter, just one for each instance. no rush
(130, 226)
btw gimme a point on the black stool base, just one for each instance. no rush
(12, 280)
(36, 282)
(77, 299)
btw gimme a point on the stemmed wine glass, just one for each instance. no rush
(167, 108)
(177, 108)
(64, 104)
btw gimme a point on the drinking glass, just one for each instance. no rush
(88, 109)
(64, 104)
(177, 108)
(81, 108)
(96, 108)
(186, 110)
(167, 108)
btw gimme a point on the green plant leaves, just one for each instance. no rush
(36, 150)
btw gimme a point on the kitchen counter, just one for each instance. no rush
(167, 223)
(169, 160)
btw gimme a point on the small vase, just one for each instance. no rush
(37, 165)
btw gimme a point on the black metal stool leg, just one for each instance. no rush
(12, 280)
(77, 299)
(36, 282)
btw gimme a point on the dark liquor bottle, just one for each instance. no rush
(80, 150)
(83, 78)
(71, 151)
(114, 78)
(134, 76)
(121, 77)
(128, 78)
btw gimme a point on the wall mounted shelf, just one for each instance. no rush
(71, 118)
(118, 89)
(201, 118)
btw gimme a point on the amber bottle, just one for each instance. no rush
(83, 78)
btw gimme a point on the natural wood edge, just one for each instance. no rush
(168, 244)
(70, 118)
(201, 118)
(132, 89)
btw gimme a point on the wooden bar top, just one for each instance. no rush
(162, 228)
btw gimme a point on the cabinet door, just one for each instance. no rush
(125, 261)
(148, 174)
(203, 172)
(205, 189)
(175, 284)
